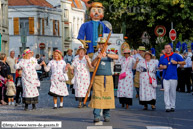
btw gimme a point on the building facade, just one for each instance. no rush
(4, 27)
(35, 25)
(73, 16)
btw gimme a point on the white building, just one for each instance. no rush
(39, 21)
(4, 27)
(73, 16)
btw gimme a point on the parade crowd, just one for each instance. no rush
(140, 71)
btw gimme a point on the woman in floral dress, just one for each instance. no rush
(59, 76)
(81, 65)
(30, 80)
(148, 82)
(125, 85)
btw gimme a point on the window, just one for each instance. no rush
(65, 13)
(56, 31)
(24, 26)
(39, 26)
(67, 37)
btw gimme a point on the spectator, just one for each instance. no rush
(68, 58)
(11, 90)
(11, 62)
(19, 89)
(4, 72)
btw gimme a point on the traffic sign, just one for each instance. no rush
(42, 45)
(173, 34)
(160, 31)
(145, 37)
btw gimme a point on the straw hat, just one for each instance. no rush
(69, 50)
(97, 4)
(102, 40)
(147, 52)
(82, 49)
(26, 51)
(141, 48)
(126, 50)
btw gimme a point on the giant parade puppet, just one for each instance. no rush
(91, 30)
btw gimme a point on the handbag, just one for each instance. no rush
(150, 78)
(123, 75)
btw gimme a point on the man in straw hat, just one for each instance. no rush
(138, 56)
(168, 62)
(103, 92)
(93, 29)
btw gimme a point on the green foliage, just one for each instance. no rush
(145, 15)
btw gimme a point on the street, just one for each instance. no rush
(132, 118)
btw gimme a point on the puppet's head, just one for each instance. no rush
(96, 11)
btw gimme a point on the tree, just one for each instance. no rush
(137, 16)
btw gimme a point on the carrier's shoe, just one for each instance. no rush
(96, 120)
(106, 119)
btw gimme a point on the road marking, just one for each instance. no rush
(99, 127)
(99, 123)
(158, 127)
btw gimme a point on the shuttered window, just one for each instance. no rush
(43, 26)
(54, 28)
(16, 25)
(31, 25)
(58, 28)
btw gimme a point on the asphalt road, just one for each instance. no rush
(132, 118)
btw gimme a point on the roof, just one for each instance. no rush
(76, 4)
(42, 3)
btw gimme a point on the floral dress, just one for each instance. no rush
(81, 76)
(58, 86)
(125, 85)
(30, 80)
(147, 91)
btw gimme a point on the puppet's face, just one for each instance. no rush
(96, 14)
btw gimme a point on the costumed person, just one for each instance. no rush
(125, 85)
(168, 63)
(30, 80)
(11, 90)
(91, 30)
(148, 83)
(103, 87)
(139, 55)
(59, 70)
(81, 66)
(68, 58)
